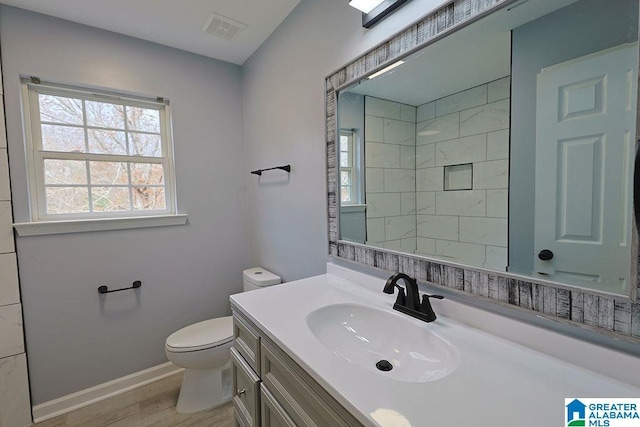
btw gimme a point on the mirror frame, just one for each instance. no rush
(613, 314)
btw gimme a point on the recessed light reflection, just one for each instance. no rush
(386, 69)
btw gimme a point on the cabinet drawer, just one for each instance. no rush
(247, 342)
(241, 421)
(272, 414)
(246, 386)
(303, 399)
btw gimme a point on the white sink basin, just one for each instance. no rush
(365, 335)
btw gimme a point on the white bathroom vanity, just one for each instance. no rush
(305, 354)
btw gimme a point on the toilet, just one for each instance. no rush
(203, 350)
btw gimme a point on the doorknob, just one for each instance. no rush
(545, 255)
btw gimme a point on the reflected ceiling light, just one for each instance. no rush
(365, 6)
(384, 70)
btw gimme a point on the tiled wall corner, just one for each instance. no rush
(15, 409)
(390, 150)
(466, 128)
(9, 292)
(11, 335)
(15, 405)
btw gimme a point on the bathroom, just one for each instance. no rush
(228, 119)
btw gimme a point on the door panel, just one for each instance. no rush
(585, 119)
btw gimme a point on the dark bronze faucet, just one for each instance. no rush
(409, 303)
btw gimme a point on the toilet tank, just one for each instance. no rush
(258, 277)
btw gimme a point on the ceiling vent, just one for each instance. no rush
(223, 27)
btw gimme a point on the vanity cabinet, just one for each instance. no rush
(246, 386)
(273, 415)
(272, 390)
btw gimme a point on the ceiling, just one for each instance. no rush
(482, 54)
(174, 23)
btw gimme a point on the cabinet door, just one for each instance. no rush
(273, 415)
(246, 396)
(300, 396)
(241, 420)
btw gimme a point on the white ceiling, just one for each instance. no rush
(174, 23)
(481, 53)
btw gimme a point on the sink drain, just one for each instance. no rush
(384, 365)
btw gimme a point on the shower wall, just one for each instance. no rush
(390, 147)
(462, 152)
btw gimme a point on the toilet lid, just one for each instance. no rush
(201, 335)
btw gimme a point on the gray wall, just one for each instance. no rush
(351, 112)
(188, 272)
(571, 32)
(283, 91)
(275, 103)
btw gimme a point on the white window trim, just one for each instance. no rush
(41, 223)
(41, 228)
(353, 168)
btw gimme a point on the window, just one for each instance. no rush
(348, 172)
(97, 155)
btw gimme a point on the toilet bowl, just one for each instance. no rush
(203, 350)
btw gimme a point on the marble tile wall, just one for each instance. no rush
(390, 144)
(468, 225)
(15, 406)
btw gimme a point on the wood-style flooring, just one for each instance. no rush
(150, 405)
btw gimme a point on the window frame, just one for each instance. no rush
(35, 155)
(353, 168)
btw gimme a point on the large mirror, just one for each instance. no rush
(506, 145)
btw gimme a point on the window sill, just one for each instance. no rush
(102, 224)
(352, 208)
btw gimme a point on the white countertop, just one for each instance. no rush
(497, 382)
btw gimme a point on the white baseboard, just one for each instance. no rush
(82, 398)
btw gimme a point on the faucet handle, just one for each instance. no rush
(425, 307)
